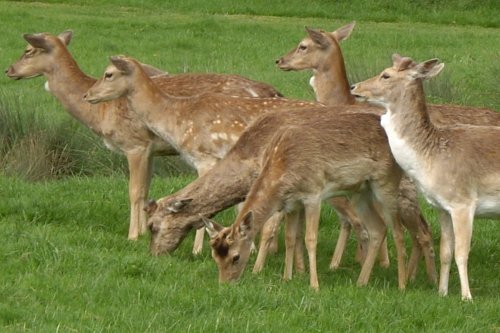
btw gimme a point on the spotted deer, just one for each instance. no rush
(49, 56)
(456, 168)
(320, 52)
(202, 128)
(321, 157)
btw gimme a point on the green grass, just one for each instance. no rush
(65, 263)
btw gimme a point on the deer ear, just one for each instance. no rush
(318, 36)
(122, 63)
(65, 36)
(344, 32)
(38, 40)
(211, 227)
(151, 207)
(246, 224)
(152, 71)
(176, 206)
(427, 69)
(402, 63)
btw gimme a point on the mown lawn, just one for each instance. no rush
(65, 262)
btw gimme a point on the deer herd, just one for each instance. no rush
(368, 149)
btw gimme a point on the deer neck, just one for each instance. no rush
(412, 136)
(330, 82)
(227, 184)
(68, 84)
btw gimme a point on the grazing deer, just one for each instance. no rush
(48, 55)
(305, 164)
(456, 168)
(320, 51)
(202, 128)
(229, 181)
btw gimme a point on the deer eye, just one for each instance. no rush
(108, 75)
(236, 258)
(302, 47)
(385, 76)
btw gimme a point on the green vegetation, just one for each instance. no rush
(65, 263)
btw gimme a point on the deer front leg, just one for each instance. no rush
(268, 234)
(445, 251)
(140, 169)
(312, 212)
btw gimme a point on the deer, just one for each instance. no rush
(48, 55)
(304, 164)
(455, 167)
(320, 51)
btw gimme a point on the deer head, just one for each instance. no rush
(115, 82)
(39, 56)
(316, 49)
(231, 246)
(168, 224)
(391, 84)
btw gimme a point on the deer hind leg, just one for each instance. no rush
(376, 229)
(268, 234)
(462, 220)
(140, 169)
(415, 223)
(348, 219)
(446, 247)
(291, 230)
(312, 212)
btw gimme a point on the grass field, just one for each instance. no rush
(65, 263)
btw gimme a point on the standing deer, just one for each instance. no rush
(202, 128)
(120, 129)
(304, 164)
(456, 168)
(320, 51)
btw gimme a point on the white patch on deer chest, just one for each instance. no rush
(312, 83)
(46, 86)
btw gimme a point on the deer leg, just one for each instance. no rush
(312, 211)
(291, 227)
(300, 266)
(345, 230)
(140, 170)
(462, 220)
(376, 229)
(425, 246)
(446, 251)
(347, 218)
(268, 233)
(401, 252)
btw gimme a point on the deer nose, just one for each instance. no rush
(278, 61)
